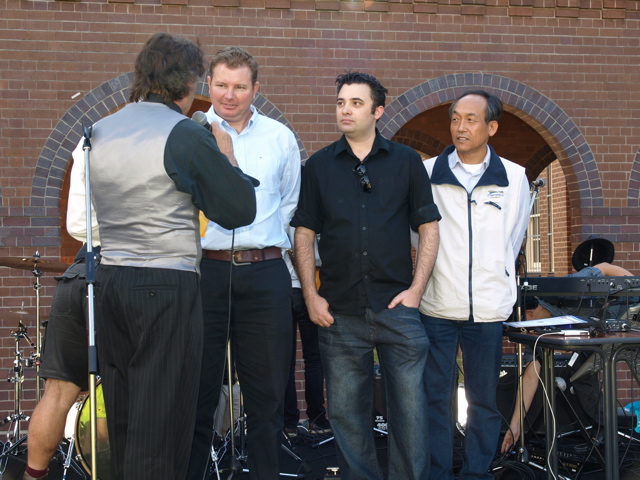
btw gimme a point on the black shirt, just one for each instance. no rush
(364, 236)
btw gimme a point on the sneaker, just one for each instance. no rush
(291, 432)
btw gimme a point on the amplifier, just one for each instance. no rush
(379, 402)
(570, 462)
(580, 286)
(508, 387)
(559, 361)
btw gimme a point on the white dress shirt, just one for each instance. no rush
(268, 151)
(76, 206)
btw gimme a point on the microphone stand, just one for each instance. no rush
(90, 260)
(523, 454)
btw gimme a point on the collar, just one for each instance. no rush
(157, 98)
(379, 143)
(495, 174)
(454, 159)
(213, 116)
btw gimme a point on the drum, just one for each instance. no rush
(83, 435)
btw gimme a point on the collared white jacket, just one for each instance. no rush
(480, 236)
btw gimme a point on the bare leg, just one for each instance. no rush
(46, 427)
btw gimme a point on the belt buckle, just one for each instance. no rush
(238, 264)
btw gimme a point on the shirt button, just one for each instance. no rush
(364, 228)
(364, 253)
(363, 206)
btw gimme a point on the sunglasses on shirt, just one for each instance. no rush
(365, 183)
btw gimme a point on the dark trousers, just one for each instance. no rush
(313, 373)
(261, 344)
(149, 339)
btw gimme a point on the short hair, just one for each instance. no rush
(235, 57)
(167, 65)
(530, 302)
(494, 105)
(378, 92)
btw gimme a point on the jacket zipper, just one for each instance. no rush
(469, 203)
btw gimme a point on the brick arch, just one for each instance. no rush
(633, 194)
(540, 160)
(421, 141)
(541, 113)
(54, 159)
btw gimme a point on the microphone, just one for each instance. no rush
(539, 183)
(201, 118)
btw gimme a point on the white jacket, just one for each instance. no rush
(480, 236)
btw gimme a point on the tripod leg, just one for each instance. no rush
(67, 460)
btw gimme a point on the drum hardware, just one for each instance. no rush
(34, 263)
(68, 458)
(234, 441)
(37, 265)
(78, 434)
(17, 378)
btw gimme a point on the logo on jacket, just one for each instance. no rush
(495, 194)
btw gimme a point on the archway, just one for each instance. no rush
(533, 132)
(49, 186)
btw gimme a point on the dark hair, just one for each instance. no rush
(530, 303)
(235, 57)
(167, 65)
(378, 92)
(494, 105)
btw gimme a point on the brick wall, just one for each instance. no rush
(568, 70)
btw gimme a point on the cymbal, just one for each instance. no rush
(19, 315)
(33, 263)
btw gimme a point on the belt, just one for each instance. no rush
(243, 257)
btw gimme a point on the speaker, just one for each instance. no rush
(584, 395)
(506, 395)
(379, 400)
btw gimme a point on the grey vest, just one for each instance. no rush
(144, 220)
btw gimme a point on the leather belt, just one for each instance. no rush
(243, 257)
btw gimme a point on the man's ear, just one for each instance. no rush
(493, 128)
(377, 113)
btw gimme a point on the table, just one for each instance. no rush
(550, 342)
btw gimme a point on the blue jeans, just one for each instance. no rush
(347, 356)
(481, 345)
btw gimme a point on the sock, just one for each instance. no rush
(36, 473)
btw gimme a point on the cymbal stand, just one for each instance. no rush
(36, 356)
(17, 378)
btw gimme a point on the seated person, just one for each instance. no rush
(537, 309)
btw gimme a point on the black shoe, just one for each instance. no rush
(320, 426)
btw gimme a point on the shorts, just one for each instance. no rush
(65, 346)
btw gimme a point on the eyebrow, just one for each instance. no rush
(352, 98)
(468, 114)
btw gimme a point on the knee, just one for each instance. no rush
(60, 393)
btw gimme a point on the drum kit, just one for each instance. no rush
(37, 265)
(79, 433)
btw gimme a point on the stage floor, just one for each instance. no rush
(316, 455)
